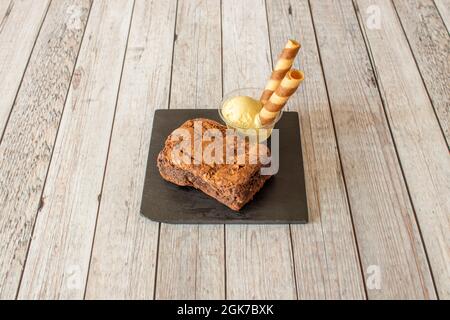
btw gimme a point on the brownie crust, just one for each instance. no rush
(232, 184)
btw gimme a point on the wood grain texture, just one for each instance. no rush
(388, 237)
(444, 10)
(191, 258)
(259, 259)
(20, 22)
(27, 145)
(421, 146)
(60, 250)
(197, 62)
(430, 42)
(124, 253)
(325, 253)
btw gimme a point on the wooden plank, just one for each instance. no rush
(325, 253)
(444, 9)
(60, 250)
(259, 259)
(197, 57)
(5, 6)
(191, 258)
(421, 146)
(28, 141)
(20, 22)
(125, 248)
(430, 42)
(392, 254)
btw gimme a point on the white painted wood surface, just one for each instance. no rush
(60, 250)
(259, 259)
(388, 236)
(16, 43)
(28, 141)
(370, 189)
(325, 253)
(421, 146)
(191, 258)
(125, 248)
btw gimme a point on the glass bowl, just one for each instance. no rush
(264, 131)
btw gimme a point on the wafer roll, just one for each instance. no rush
(284, 64)
(279, 98)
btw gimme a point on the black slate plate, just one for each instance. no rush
(282, 200)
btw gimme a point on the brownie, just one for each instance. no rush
(233, 183)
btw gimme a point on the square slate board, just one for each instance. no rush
(282, 199)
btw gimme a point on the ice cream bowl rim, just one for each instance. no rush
(239, 92)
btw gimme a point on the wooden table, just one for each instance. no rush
(79, 85)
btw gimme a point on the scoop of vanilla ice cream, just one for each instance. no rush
(242, 111)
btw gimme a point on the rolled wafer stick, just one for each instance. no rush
(284, 64)
(279, 98)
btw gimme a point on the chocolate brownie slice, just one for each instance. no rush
(223, 176)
